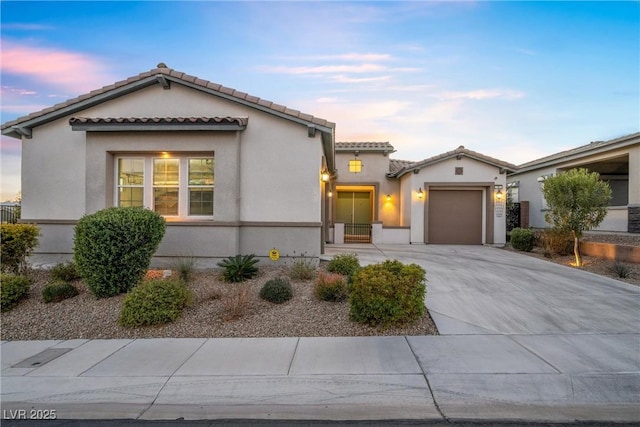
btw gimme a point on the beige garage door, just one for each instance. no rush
(455, 217)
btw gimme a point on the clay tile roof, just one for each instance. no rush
(147, 78)
(460, 151)
(364, 146)
(396, 165)
(241, 121)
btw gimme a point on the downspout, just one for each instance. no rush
(238, 188)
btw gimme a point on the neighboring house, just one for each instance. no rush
(617, 161)
(456, 197)
(231, 173)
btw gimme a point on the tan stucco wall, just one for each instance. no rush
(616, 220)
(375, 166)
(475, 174)
(269, 172)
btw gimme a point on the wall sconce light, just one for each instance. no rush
(420, 193)
(330, 193)
(388, 197)
(499, 194)
(325, 176)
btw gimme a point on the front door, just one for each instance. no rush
(354, 210)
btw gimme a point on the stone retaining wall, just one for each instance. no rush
(611, 251)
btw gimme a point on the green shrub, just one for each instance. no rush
(388, 293)
(523, 239)
(18, 241)
(345, 264)
(277, 290)
(65, 272)
(113, 248)
(302, 269)
(239, 268)
(13, 288)
(154, 302)
(331, 287)
(58, 291)
(556, 241)
(185, 267)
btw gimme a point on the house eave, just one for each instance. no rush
(587, 152)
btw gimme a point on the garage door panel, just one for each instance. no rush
(455, 217)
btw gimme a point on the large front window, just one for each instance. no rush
(171, 185)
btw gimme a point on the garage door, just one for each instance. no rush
(455, 217)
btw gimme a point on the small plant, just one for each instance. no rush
(388, 293)
(185, 267)
(621, 269)
(330, 287)
(113, 248)
(18, 241)
(235, 303)
(65, 272)
(239, 268)
(58, 291)
(277, 290)
(155, 302)
(523, 239)
(302, 269)
(13, 288)
(345, 264)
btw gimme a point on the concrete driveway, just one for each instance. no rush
(485, 290)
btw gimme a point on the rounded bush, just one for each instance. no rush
(557, 241)
(58, 291)
(154, 302)
(277, 290)
(331, 287)
(65, 272)
(345, 264)
(523, 239)
(13, 288)
(388, 293)
(113, 248)
(18, 241)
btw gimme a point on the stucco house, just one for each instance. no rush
(231, 173)
(457, 197)
(617, 161)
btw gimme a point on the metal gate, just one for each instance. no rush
(357, 233)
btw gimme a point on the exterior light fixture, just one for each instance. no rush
(499, 195)
(420, 193)
(388, 197)
(330, 193)
(325, 176)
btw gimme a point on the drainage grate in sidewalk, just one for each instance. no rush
(41, 358)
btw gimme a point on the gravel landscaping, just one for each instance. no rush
(84, 316)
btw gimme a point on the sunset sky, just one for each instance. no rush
(512, 80)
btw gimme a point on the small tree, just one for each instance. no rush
(577, 201)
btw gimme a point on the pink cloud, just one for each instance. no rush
(71, 71)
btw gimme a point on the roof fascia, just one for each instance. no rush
(80, 105)
(577, 156)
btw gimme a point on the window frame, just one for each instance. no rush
(184, 187)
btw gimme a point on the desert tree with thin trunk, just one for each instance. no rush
(577, 202)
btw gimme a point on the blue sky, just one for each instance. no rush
(512, 80)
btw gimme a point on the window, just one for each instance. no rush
(355, 166)
(171, 185)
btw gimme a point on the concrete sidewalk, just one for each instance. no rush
(457, 377)
(521, 339)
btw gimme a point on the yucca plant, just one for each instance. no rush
(239, 268)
